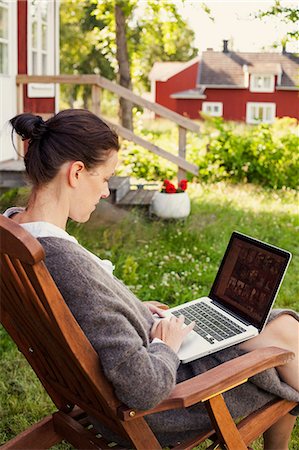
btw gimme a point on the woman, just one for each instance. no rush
(70, 159)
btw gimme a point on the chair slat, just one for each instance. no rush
(76, 434)
(96, 410)
(39, 323)
(18, 243)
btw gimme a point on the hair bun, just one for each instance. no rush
(29, 126)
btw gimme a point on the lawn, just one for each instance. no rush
(168, 261)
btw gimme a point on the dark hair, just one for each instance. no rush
(73, 134)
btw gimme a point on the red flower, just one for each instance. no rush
(170, 188)
(183, 185)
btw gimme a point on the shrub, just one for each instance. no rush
(262, 154)
(141, 163)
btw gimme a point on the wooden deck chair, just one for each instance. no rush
(39, 321)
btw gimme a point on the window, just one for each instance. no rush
(260, 112)
(262, 83)
(213, 108)
(40, 45)
(4, 38)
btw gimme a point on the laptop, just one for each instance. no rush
(240, 300)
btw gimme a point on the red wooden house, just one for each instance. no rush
(249, 87)
(169, 77)
(29, 44)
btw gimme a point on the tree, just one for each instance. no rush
(120, 42)
(122, 56)
(114, 15)
(161, 34)
(287, 14)
(82, 47)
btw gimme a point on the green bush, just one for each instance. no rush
(143, 164)
(262, 154)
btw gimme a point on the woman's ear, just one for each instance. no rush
(74, 172)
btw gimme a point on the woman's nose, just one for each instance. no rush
(106, 193)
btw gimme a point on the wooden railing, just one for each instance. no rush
(97, 83)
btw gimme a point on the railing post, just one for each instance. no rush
(96, 98)
(182, 151)
(20, 110)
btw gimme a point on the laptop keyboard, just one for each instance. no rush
(210, 324)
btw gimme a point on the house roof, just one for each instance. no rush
(162, 71)
(227, 69)
(264, 68)
(190, 93)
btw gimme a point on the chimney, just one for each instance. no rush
(225, 46)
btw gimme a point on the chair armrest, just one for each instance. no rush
(217, 380)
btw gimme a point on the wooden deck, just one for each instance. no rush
(12, 174)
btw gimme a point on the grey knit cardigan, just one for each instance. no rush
(143, 373)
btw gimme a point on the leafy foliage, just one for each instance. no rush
(155, 32)
(288, 14)
(83, 47)
(262, 154)
(142, 164)
(161, 35)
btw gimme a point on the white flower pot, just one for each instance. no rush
(171, 206)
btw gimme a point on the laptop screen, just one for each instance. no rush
(249, 277)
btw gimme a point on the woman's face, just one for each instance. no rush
(90, 186)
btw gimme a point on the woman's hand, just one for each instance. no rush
(171, 331)
(156, 307)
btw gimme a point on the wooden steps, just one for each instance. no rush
(138, 197)
(122, 192)
(119, 187)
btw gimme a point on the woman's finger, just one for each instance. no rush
(156, 310)
(181, 318)
(159, 304)
(189, 328)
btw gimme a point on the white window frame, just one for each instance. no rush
(212, 105)
(6, 41)
(8, 101)
(254, 88)
(40, 90)
(249, 109)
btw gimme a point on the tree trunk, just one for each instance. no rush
(125, 111)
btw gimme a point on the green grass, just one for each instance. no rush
(172, 262)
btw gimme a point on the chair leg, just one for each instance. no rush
(224, 425)
(141, 435)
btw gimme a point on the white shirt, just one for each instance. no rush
(47, 229)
